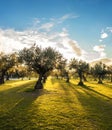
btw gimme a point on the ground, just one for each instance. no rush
(59, 106)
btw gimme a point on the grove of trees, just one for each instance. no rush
(43, 62)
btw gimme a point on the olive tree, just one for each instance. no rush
(81, 67)
(6, 62)
(99, 71)
(109, 71)
(61, 66)
(41, 60)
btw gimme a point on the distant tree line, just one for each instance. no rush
(43, 62)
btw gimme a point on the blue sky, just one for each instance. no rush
(78, 28)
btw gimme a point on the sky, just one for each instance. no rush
(77, 28)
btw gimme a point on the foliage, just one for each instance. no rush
(109, 72)
(6, 62)
(99, 71)
(61, 67)
(81, 67)
(41, 60)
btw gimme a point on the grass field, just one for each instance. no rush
(59, 106)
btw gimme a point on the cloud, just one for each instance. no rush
(52, 22)
(10, 41)
(13, 40)
(64, 33)
(97, 53)
(104, 35)
(109, 29)
(66, 17)
(100, 40)
(60, 45)
(43, 35)
(100, 50)
(46, 26)
(36, 21)
(102, 54)
(75, 47)
(91, 55)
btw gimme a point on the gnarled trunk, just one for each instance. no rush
(2, 80)
(67, 79)
(44, 78)
(7, 76)
(39, 84)
(81, 77)
(84, 78)
(2, 77)
(56, 76)
(100, 79)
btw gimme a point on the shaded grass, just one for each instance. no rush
(59, 106)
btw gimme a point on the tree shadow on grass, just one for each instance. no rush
(15, 106)
(96, 92)
(54, 80)
(97, 106)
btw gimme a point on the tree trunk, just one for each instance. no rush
(81, 77)
(44, 78)
(67, 78)
(111, 78)
(84, 77)
(2, 80)
(2, 77)
(57, 76)
(7, 76)
(39, 84)
(100, 79)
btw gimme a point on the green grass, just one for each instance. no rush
(59, 106)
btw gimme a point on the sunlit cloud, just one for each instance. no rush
(104, 35)
(42, 34)
(9, 43)
(101, 50)
(75, 47)
(64, 33)
(91, 55)
(15, 40)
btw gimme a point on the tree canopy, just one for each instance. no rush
(6, 62)
(41, 60)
